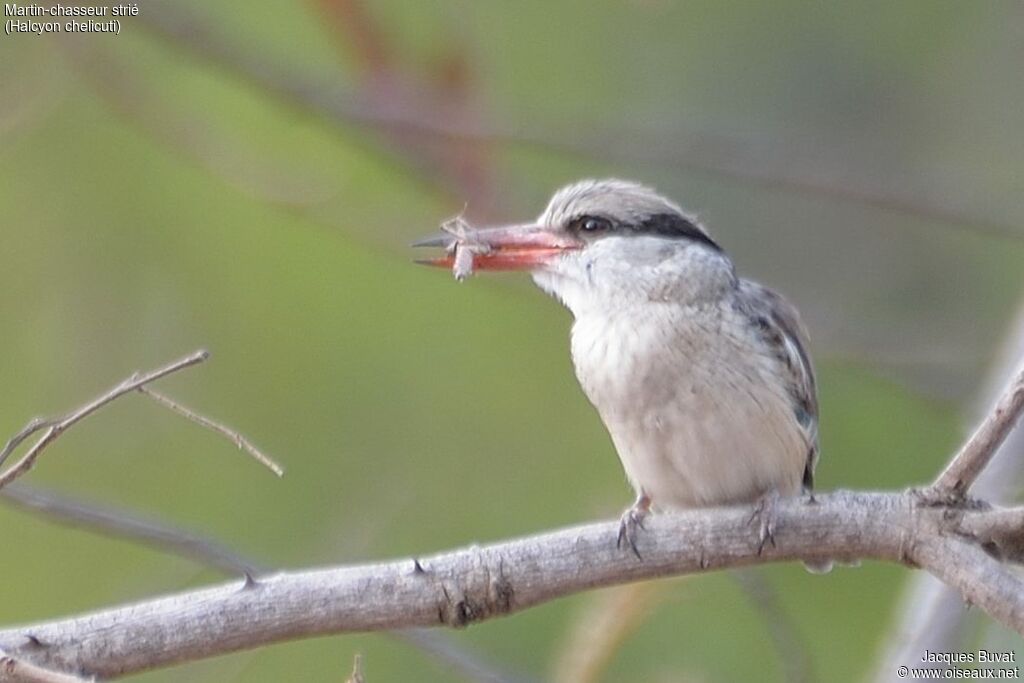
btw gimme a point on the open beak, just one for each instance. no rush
(511, 247)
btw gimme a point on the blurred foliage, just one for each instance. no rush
(154, 203)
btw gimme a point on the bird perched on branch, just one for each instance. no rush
(701, 377)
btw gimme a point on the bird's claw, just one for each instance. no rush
(631, 521)
(764, 514)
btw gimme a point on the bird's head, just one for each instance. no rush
(602, 243)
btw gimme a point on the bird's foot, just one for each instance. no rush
(764, 514)
(631, 521)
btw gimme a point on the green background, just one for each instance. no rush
(152, 201)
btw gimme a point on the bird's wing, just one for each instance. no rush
(784, 332)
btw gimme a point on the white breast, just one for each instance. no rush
(693, 403)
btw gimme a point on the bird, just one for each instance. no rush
(702, 378)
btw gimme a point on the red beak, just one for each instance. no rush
(512, 247)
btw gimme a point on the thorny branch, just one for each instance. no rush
(961, 542)
(473, 584)
(159, 535)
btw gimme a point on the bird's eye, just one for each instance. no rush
(592, 224)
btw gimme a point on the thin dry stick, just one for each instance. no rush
(14, 670)
(128, 525)
(33, 426)
(56, 427)
(357, 670)
(235, 437)
(976, 453)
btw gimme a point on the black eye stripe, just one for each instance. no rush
(675, 225)
(663, 224)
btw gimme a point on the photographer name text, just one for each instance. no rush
(970, 657)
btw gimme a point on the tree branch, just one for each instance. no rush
(473, 584)
(131, 526)
(56, 427)
(137, 382)
(932, 616)
(978, 451)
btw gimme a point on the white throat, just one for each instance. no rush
(619, 273)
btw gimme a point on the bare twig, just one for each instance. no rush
(54, 428)
(17, 671)
(33, 426)
(473, 584)
(230, 434)
(976, 453)
(357, 670)
(130, 526)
